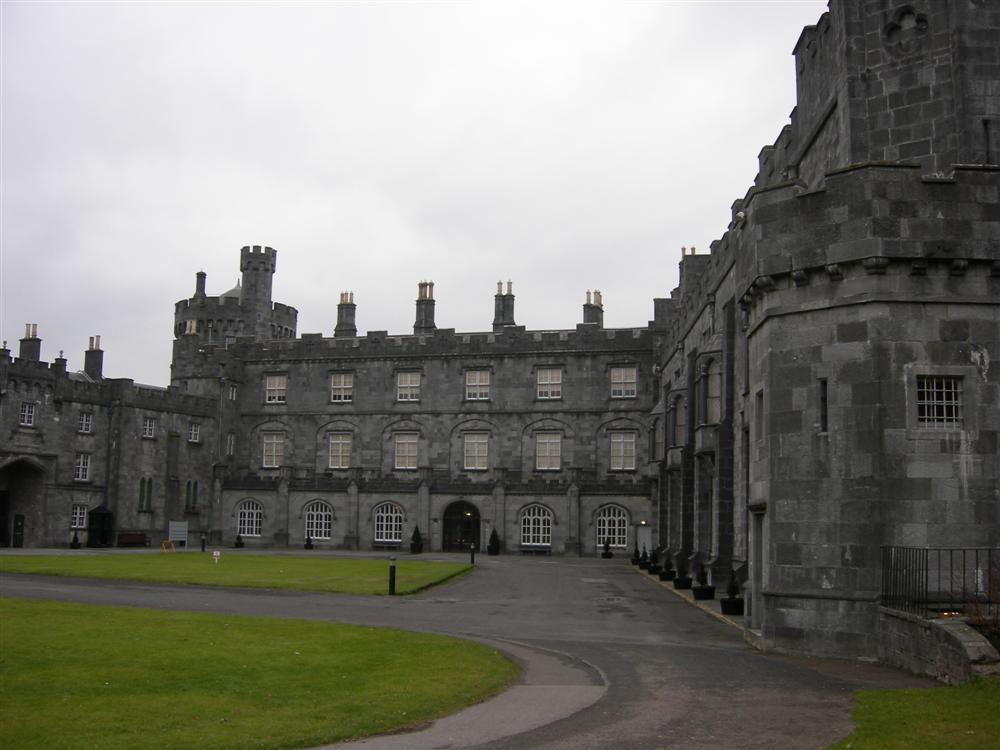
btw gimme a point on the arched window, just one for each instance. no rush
(711, 389)
(612, 525)
(388, 523)
(679, 421)
(536, 526)
(319, 520)
(249, 517)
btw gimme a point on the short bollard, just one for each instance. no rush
(202, 542)
(472, 554)
(392, 576)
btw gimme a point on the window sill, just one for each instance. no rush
(81, 481)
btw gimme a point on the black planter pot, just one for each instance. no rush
(668, 575)
(654, 570)
(644, 565)
(703, 593)
(732, 606)
(607, 555)
(682, 582)
(416, 548)
(309, 543)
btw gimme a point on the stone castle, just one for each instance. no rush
(822, 383)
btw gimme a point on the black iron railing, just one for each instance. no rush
(936, 581)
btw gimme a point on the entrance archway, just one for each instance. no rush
(461, 527)
(22, 489)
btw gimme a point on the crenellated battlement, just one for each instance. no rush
(257, 258)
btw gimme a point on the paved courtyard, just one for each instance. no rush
(611, 658)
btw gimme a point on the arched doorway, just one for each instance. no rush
(461, 527)
(22, 514)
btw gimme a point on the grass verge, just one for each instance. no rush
(947, 718)
(337, 575)
(75, 675)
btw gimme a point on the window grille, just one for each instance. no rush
(939, 401)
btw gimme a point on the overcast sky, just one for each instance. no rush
(563, 146)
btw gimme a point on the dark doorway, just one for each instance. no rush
(461, 527)
(22, 503)
(100, 527)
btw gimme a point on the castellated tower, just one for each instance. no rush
(257, 264)
(206, 326)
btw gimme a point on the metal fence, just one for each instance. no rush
(936, 582)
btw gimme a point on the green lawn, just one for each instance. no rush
(74, 676)
(947, 718)
(339, 575)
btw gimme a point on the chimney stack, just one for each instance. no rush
(346, 311)
(593, 309)
(31, 345)
(503, 314)
(93, 359)
(425, 308)
(199, 284)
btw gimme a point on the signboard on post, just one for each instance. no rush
(177, 532)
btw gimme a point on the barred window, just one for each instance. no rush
(148, 427)
(275, 389)
(319, 520)
(939, 401)
(78, 516)
(548, 451)
(476, 449)
(536, 526)
(388, 523)
(612, 525)
(81, 467)
(477, 385)
(249, 518)
(406, 450)
(549, 383)
(194, 432)
(622, 451)
(407, 386)
(342, 387)
(274, 449)
(340, 450)
(623, 382)
(26, 418)
(86, 422)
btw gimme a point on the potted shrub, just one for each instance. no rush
(75, 544)
(493, 546)
(682, 580)
(635, 554)
(644, 559)
(607, 550)
(654, 563)
(703, 591)
(416, 542)
(667, 572)
(309, 542)
(733, 603)
(239, 541)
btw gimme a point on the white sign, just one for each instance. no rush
(215, 556)
(177, 531)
